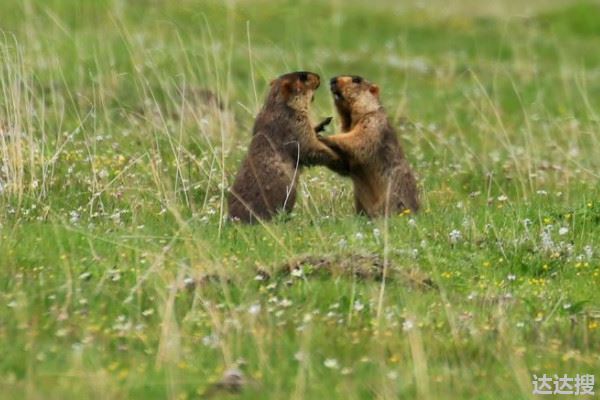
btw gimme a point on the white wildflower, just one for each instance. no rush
(254, 309)
(285, 303)
(116, 217)
(62, 332)
(455, 236)
(408, 325)
(331, 363)
(589, 252)
(148, 312)
(546, 241)
(85, 276)
(189, 282)
(115, 275)
(563, 231)
(358, 306)
(297, 273)
(74, 217)
(211, 341)
(570, 249)
(392, 375)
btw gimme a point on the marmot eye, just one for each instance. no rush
(357, 79)
(303, 76)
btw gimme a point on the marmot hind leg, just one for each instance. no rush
(360, 208)
(407, 189)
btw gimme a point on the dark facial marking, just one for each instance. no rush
(335, 90)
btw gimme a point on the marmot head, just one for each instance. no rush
(354, 96)
(295, 90)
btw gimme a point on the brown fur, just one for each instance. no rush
(283, 141)
(383, 180)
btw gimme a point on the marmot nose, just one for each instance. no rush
(333, 81)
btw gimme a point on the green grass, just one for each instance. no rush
(113, 176)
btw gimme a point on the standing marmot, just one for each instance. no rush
(383, 180)
(283, 141)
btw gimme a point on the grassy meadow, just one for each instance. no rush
(121, 278)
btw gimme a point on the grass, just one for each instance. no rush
(114, 169)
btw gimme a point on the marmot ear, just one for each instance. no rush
(286, 89)
(374, 89)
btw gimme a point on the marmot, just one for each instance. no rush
(283, 141)
(383, 180)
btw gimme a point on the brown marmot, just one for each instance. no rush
(283, 141)
(383, 180)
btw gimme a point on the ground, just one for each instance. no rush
(122, 125)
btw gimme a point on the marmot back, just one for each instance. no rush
(383, 180)
(283, 141)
